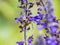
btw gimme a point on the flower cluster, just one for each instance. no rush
(45, 21)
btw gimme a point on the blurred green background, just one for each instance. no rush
(9, 31)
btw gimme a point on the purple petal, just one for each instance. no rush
(41, 27)
(31, 18)
(39, 13)
(30, 39)
(30, 2)
(16, 18)
(39, 9)
(36, 17)
(20, 43)
(53, 29)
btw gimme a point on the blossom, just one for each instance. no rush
(30, 39)
(45, 21)
(20, 43)
(39, 41)
(51, 40)
(43, 26)
(39, 9)
(53, 29)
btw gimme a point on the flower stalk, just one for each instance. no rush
(25, 26)
(45, 21)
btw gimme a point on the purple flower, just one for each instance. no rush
(54, 28)
(50, 18)
(30, 39)
(51, 42)
(36, 17)
(58, 32)
(39, 9)
(27, 10)
(46, 21)
(39, 13)
(43, 25)
(38, 23)
(20, 43)
(31, 18)
(39, 41)
(20, 18)
(31, 3)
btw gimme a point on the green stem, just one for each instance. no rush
(25, 35)
(25, 26)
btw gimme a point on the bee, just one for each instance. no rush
(25, 25)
